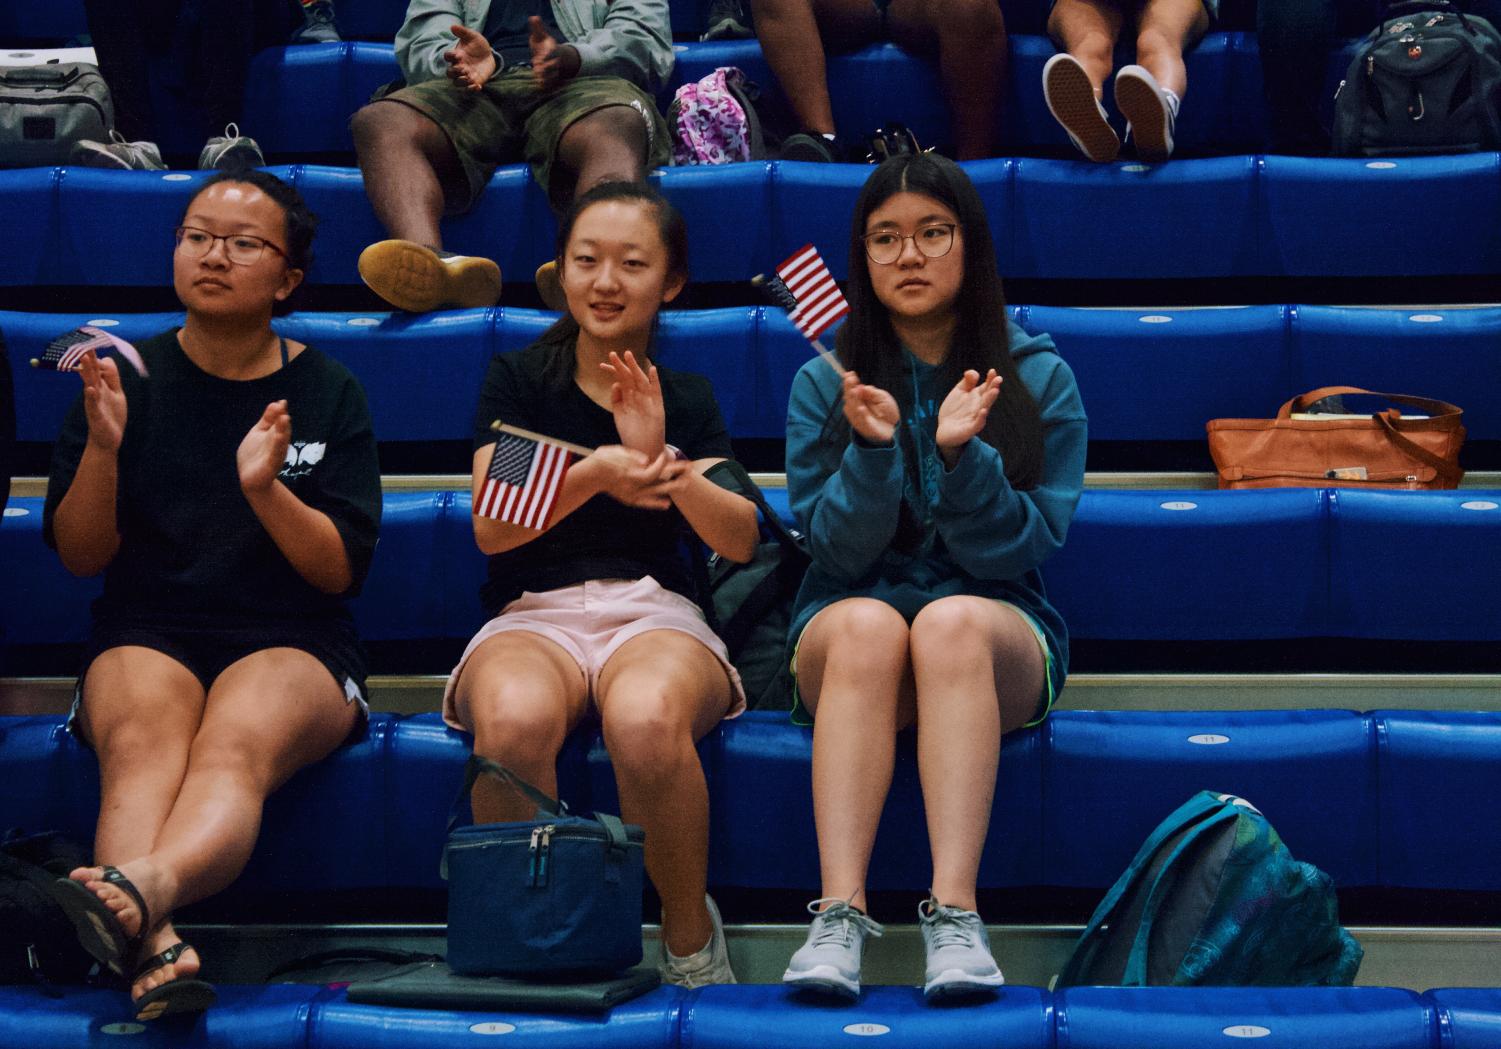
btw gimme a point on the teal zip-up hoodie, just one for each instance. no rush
(967, 530)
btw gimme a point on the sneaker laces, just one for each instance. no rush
(834, 925)
(951, 926)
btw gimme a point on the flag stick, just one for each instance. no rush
(779, 294)
(516, 431)
(829, 358)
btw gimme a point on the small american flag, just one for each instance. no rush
(820, 303)
(523, 481)
(66, 352)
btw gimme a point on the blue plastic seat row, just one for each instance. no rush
(752, 1016)
(1214, 217)
(1396, 799)
(1182, 367)
(1138, 565)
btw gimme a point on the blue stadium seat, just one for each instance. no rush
(1468, 1017)
(731, 214)
(43, 397)
(1182, 367)
(44, 603)
(720, 345)
(1448, 353)
(52, 781)
(28, 197)
(1448, 566)
(648, 1022)
(1190, 218)
(298, 99)
(1311, 772)
(754, 1017)
(118, 226)
(402, 599)
(370, 19)
(246, 1017)
(760, 791)
(462, 569)
(1258, 559)
(45, 21)
(1333, 216)
(1273, 1017)
(1440, 827)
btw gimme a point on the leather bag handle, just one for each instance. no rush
(1447, 470)
(1435, 408)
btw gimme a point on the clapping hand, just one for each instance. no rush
(471, 61)
(963, 412)
(103, 402)
(263, 452)
(637, 479)
(636, 402)
(871, 411)
(552, 63)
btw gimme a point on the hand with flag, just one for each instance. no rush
(66, 352)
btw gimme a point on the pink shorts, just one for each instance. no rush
(591, 620)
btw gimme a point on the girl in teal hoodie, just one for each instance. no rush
(933, 477)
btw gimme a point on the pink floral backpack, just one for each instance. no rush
(714, 122)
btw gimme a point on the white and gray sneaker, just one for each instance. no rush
(1150, 111)
(230, 151)
(959, 961)
(1072, 101)
(117, 153)
(709, 965)
(830, 959)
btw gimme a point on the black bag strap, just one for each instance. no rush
(478, 766)
(732, 476)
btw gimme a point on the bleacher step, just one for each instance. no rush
(1417, 958)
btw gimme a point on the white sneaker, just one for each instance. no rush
(417, 279)
(959, 961)
(1151, 113)
(230, 151)
(830, 959)
(1072, 101)
(117, 153)
(704, 967)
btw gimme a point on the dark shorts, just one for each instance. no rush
(208, 648)
(511, 120)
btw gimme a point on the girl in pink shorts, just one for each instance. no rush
(595, 610)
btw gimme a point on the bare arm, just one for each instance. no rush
(723, 520)
(84, 525)
(307, 538)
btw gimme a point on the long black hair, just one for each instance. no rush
(868, 344)
(300, 222)
(562, 337)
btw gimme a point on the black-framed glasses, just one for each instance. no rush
(934, 240)
(242, 249)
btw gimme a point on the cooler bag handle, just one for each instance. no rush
(478, 766)
(42, 76)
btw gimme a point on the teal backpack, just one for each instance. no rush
(1214, 898)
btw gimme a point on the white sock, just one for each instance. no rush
(695, 960)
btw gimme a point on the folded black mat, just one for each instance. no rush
(430, 985)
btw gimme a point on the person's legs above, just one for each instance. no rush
(854, 676)
(1149, 92)
(122, 32)
(520, 694)
(979, 670)
(1295, 38)
(658, 694)
(413, 173)
(970, 39)
(266, 716)
(1073, 81)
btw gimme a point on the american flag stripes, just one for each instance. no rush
(820, 303)
(66, 352)
(523, 481)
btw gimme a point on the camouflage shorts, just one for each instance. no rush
(511, 120)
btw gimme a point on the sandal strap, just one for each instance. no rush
(113, 876)
(162, 960)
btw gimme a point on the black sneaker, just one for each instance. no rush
(726, 21)
(230, 151)
(809, 147)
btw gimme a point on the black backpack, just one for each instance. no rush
(37, 941)
(1426, 80)
(750, 605)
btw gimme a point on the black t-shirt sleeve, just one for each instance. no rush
(504, 396)
(708, 438)
(347, 483)
(66, 454)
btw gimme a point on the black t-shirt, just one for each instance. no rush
(602, 539)
(190, 545)
(506, 28)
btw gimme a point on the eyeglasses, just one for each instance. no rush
(934, 240)
(242, 249)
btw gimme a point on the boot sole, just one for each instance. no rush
(1070, 98)
(413, 278)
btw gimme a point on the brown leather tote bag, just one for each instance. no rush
(1383, 450)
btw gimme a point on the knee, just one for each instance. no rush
(949, 624)
(1152, 44)
(861, 630)
(138, 744)
(971, 20)
(609, 130)
(226, 755)
(380, 125)
(647, 735)
(515, 725)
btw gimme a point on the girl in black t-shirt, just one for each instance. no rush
(594, 609)
(231, 497)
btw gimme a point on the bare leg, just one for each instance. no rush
(1088, 30)
(607, 145)
(266, 716)
(658, 695)
(853, 674)
(790, 40)
(970, 38)
(406, 160)
(1166, 30)
(520, 694)
(979, 671)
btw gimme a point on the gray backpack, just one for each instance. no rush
(1427, 80)
(45, 110)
